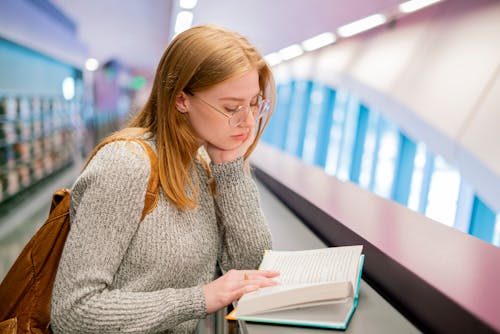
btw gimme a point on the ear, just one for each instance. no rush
(182, 103)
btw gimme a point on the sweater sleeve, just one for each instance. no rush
(106, 205)
(245, 234)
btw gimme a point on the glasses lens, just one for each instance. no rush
(258, 111)
(264, 108)
(239, 116)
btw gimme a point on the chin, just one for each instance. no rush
(227, 146)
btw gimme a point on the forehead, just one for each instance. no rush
(240, 87)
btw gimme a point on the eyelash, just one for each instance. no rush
(232, 110)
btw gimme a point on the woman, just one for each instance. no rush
(118, 273)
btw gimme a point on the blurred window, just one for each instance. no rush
(348, 137)
(317, 104)
(443, 193)
(370, 151)
(337, 133)
(417, 179)
(386, 159)
(496, 234)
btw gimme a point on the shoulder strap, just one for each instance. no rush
(208, 171)
(152, 191)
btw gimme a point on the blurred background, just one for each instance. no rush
(400, 98)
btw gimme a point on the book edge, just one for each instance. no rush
(295, 323)
(356, 294)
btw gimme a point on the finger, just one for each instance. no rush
(269, 273)
(261, 283)
(245, 289)
(253, 274)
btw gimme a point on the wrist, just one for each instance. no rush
(210, 301)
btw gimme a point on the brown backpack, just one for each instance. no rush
(26, 291)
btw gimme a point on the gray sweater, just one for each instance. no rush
(118, 274)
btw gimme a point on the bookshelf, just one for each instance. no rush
(36, 139)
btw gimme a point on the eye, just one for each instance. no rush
(232, 109)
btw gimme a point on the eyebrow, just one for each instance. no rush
(237, 99)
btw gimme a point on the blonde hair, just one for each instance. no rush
(195, 60)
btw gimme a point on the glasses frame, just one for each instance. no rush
(264, 104)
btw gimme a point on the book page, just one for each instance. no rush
(334, 264)
(306, 277)
(268, 299)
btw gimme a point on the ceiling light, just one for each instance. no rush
(319, 41)
(414, 5)
(188, 4)
(184, 21)
(361, 25)
(91, 64)
(68, 88)
(290, 52)
(273, 59)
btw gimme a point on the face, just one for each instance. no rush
(211, 126)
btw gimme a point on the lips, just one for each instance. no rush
(241, 136)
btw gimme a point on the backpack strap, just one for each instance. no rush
(152, 191)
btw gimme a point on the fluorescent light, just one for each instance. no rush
(188, 4)
(414, 5)
(91, 64)
(319, 41)
(184, 21)
(361, 25)
(273, 59)
(290, 52)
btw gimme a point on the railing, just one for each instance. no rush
(441, 279)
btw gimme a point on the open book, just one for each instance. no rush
(317, 288)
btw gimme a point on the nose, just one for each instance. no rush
(249, 119)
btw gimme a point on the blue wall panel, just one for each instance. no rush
(296, 127)
(404, 170)
(324, 128)
(357, 152)
(276, 132)
(483, 219)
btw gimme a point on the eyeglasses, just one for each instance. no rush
(240, 113)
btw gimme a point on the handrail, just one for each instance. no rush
(441, 279)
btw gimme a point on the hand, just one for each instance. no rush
(218, 155)
(233, 284)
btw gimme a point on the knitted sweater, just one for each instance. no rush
(120, 274)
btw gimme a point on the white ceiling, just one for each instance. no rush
(138, 31)
(274, 24)
(134, 31)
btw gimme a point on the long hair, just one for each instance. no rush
(195, 60)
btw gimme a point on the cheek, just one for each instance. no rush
(207, 128)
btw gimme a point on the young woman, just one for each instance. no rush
(212, 92)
